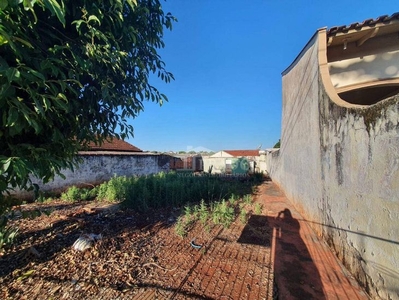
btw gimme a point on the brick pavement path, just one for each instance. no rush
(304, 266)
(243, 261)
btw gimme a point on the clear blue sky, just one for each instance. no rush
(227, 57)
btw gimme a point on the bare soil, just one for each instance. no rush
(139, 256)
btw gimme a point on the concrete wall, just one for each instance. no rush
(218, 163)
(339, 165)
(96, 169)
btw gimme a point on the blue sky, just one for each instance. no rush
(227, 57)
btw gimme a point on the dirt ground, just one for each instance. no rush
(138, 257)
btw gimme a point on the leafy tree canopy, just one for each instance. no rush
(72, 72)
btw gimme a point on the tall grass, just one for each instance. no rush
(170, 189)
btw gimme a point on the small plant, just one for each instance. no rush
(233, 198)
(180, 227)
(247, 199)
(203, 212)
(243, 216)
(223, 214)
(258, 208)
(188, 213)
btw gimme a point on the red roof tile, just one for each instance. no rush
(114, 145)
(366, 23)
(242, 152)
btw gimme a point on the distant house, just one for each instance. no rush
(192, 162)
(232, 162)
(112, 145)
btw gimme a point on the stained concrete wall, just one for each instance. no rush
(95, 169)
(339, 165)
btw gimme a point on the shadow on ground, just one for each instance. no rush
(293, 265)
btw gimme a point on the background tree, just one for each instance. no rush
(73, 72)
(277, 145)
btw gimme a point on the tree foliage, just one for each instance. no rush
(73, 72)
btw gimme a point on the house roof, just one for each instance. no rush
(114, 145)
(242, 152)
(369, 23)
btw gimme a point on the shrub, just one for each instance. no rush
(7, 233)
(114, 190)
(72, 194)
(78, 194)
(223, 214)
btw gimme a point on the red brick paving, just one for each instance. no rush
(304, 266)
(230, 267)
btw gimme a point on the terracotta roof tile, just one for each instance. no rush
(369, 22)
(114, 145)
(242, 152)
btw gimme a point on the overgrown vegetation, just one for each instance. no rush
(205, 198)
(172, 190)
(217, 213)
(79, 194)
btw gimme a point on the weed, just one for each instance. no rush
(180, 227)
(203, 212)
(188, 211)
(72, 194)
(114, 190)
(77, 194)
(247, 199)
(243, 216)
(233, 199)
(258, 208)
(223, 214)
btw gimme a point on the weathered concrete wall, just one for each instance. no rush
(96, 169)
(340, 167)
(360, 177)
(299, 167)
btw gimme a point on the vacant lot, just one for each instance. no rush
(140, 256)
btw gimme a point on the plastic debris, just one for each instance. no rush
(86, 241)
(194, 245)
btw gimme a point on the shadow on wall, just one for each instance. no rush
(293, 266)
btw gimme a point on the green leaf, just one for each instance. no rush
(5, 165)
(13, 74)
(26, 43)
(12, 117)
(94, 18)
(37, 74)
(3, 4)
(26, 275)
(3, 39)
(132, 3)
(56, 9)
